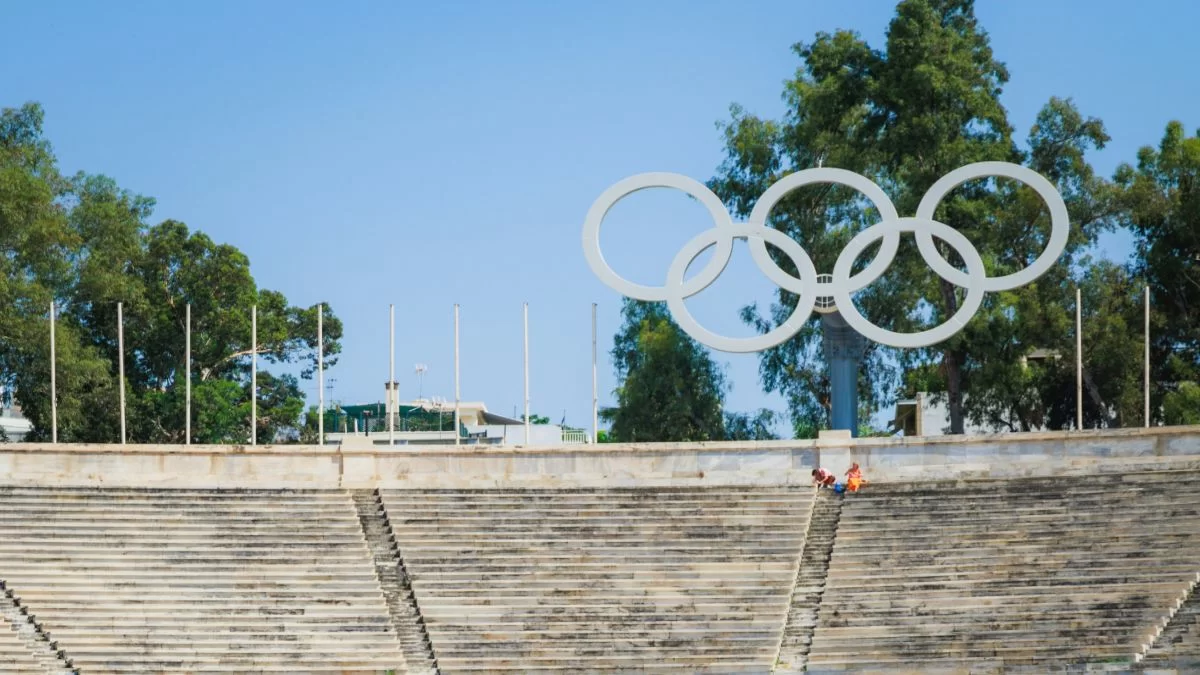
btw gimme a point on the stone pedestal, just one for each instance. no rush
(844, 349)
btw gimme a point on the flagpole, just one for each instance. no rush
(188, 366)
(457, 392)
(527, 423)
(391, 388)
(254, 375)
(121, 364)
(595, 398)
(53, 381)
(1146, 362)
(1078, 360)
(320, 375)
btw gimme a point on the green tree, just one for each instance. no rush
(670, 389)
(309, 432)
(37, 242)
(85, 243)
(1182, 405)
(904, 116)
(1006, 392)
(535, 418)
(757, 426)
(1162, 195)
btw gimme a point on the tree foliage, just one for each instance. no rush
(1162, 195)
(669, 387)
(757, 426)
(905, 115)
(670, 390)
(86, 244)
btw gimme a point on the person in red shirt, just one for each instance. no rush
(823, 478)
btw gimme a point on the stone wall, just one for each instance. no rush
(762, 463)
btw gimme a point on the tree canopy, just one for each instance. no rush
(86, 244)
(1162, 196)
(669, 387)
(904, 115)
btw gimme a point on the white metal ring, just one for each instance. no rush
(622, 189)
(807, 286)
(825, 175)
(1060, 223)
(932, 228)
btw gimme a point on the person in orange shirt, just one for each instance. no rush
(854, 478)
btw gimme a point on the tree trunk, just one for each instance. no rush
(953, 369)
(1093, 391)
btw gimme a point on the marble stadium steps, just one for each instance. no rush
(651, 580)
(810, 583)
(15, 656)
(1006, 574)
(1178, 647)
(235, 581)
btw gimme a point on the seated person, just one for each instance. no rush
(854, 478)
(823, 478)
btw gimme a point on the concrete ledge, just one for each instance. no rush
(606, 465)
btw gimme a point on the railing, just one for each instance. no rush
(574, 436)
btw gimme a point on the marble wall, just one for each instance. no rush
(764, 463)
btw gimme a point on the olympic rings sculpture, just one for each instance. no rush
(807, 286)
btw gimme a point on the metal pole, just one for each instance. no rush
(392, 376)
(456, 389)
(254, 375)
(595, 398)
(187, 359)
(1078, 360)
(121, 364)
(320, 375)
(527, 428)
(53, 382)
(1146, 360)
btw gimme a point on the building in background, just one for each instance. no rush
(431, 422)
(928, 415)
(12, 421)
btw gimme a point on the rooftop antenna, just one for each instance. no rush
(420, 369)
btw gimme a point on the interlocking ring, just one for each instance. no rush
(642, 181)
(807, 286)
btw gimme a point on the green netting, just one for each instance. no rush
(373, 416)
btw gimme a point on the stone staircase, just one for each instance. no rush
(16, 658)
(810, 583)
(39, 652)
(234, 581)
(687, 580)
(1178, 646)
(389, 567)
(1001, 575)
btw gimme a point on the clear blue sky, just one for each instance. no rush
(432, 153)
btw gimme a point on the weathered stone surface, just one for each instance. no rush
(604, 465)
(17, 656)
(1051, 572)
(678, 579)
(983, 554)
(138, 581)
